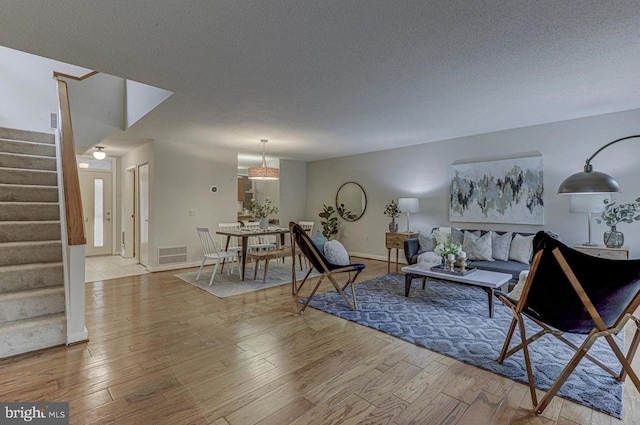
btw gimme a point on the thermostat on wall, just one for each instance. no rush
(214, 189)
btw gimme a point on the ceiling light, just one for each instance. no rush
(263, 172)
(99, 153)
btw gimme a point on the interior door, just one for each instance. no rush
(128, 236)
(143, 224)
(95, 188)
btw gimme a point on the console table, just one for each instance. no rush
(602, 251)
(396, 241)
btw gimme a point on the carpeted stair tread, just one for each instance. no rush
(26, 135)
(26, 177)
(32, 303)
(28, 193)
(16, 231)
(32, 334)
(29, 148)
(21, 277)
(24, 161)
(30, 252)
(29, 211)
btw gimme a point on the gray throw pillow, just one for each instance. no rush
(427, 241)
(521, 248)
(457, 236)
(500, 245)
(336, 253)
(477, 248)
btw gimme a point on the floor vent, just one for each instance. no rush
(172, 255)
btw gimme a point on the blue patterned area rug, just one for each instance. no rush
(453, 320)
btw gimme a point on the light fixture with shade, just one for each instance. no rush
(590, 181)
(263, 172)
(99, 153)
(409, 205)
(587, 203)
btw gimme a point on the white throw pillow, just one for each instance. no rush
(336, 253)
(516, 292)
(442, 235)
(521, 248)
(477, 248)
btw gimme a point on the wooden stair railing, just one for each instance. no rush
(71, 181)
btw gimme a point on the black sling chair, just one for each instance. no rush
(569, 291)
(301, 240)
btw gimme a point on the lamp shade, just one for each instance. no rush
(409, 205)
(587, 203)
(589, 182)
(263, 172)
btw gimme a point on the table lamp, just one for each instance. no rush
(409, 205)
(585, 203)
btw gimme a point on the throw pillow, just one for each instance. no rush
(500, 245)
(336, 253)
(477, 247)
(516, 292)
(457, 236)
(442, 235)
(427, 241)
(319, 240)
(521, 248)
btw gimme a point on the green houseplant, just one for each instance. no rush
(392, 211)
(618, 213)
(329, 221)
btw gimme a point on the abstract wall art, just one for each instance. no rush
(500, 191)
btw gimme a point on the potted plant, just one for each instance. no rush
(391, 210)
(263, 211)
(615, 213)
(329, 221)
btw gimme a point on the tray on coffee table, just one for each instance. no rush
(456, 270)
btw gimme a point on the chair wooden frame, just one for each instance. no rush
(301, 240)
(519, 311)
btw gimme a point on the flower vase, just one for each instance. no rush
(393, 226)
(264, 223)
(613, 238)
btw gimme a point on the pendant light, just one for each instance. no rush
(263, 172)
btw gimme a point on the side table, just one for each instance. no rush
(602, 251)
(396, 241)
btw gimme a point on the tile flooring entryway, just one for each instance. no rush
(111, 267)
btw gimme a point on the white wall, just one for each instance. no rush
(423, 171)
(293, 192)
(28, 89)
(182, 176)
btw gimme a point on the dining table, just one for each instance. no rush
(244, 234)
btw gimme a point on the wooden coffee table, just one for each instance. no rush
(483, 279)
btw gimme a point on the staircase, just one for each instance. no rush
(32, 295)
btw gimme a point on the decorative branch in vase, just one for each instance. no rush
(263, 211)
(392, 211)
(614, 214)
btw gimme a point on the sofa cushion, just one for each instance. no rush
(336, 253)
(442, 235)
(477, 247)
(521, 248)
(512, 267)
(500, 245)
(429, 257)
(457, 236)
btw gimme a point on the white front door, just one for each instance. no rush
(95, 187)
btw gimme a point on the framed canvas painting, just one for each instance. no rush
(500, 191)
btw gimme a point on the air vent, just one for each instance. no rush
(172, 255)
(54, 120)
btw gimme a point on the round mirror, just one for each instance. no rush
(351, 201)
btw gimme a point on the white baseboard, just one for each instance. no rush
(78, 337)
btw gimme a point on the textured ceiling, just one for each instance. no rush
(327, 78)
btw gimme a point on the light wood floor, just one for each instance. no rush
(165, 352)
